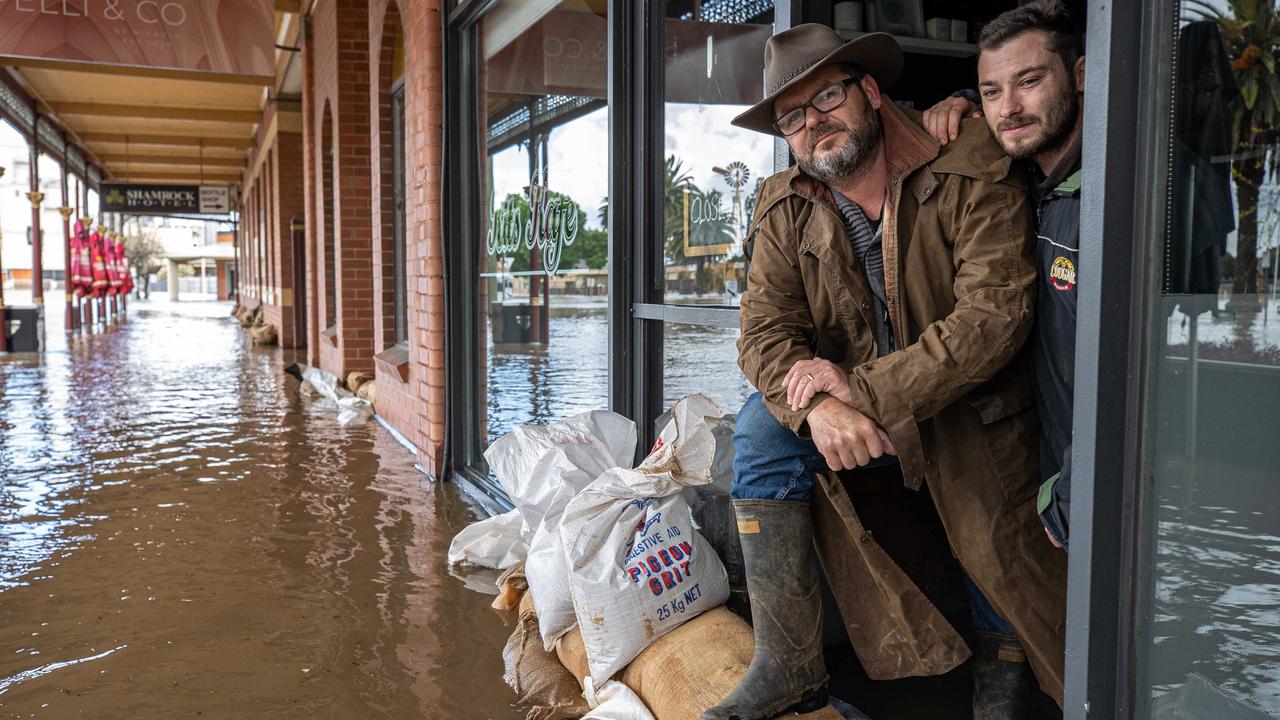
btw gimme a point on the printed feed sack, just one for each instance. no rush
(637, 567)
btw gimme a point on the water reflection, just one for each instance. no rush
(570, 374)
(1214, 603)
(1217, 597)
(167, 496)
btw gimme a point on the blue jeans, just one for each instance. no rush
(772, 463)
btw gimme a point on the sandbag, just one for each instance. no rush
(532, 462)
(512, 589)
(637, 567)
(356, 378)
(368, 392)
(263, 334)
(687, 670)
(542, 467)
(543, 687)
(325, 383)
(496, 542)
(614, 701)
(353, 411)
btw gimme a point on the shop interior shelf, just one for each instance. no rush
(926, 46)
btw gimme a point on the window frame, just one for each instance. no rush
(1104, 577)
(399, 205)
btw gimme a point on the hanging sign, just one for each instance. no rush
(221, 36)
(165, 199)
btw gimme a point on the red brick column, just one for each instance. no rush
(339, 51)
(424, 118)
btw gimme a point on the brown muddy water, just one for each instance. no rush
(182, 535)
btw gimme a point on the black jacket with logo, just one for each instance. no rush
(1054, 338)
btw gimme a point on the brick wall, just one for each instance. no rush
(345, 109)
(424, 99)
(267, 250)
(284, 169)
(338, 48)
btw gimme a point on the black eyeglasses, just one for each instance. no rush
(827, 99)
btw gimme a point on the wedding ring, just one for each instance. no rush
(808, 377)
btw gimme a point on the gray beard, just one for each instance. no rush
(849, 159)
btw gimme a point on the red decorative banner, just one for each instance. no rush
(221, 36)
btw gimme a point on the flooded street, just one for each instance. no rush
(182, 535)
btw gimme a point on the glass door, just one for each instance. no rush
(1208, 622)
(542, 258)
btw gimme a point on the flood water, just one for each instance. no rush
(541, 383)
(182, 535)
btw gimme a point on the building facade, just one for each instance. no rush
(514, 210)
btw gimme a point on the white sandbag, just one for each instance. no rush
(533, 461)
(325, 383)
(542, 467)
(547, 571)
(614, 701)
(496, 542)
(637, 567)
(353, 411)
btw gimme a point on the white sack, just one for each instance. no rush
(533, 461)
(325, 383)
(353, 410)
(547, 572)
(495, 542)
(638, 568)
(614, 701)
(542, 467)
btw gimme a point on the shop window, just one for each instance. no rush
(327, 230)
(1209, 617)
(394, 295)
(541, 289)
(398, 190)
(711, 174)
(269, 239)
(264, 263)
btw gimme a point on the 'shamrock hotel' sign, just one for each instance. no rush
(165, 199)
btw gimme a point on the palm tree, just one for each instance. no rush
(675, 181)
(1251, 34)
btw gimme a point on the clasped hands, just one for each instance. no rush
(846, 438)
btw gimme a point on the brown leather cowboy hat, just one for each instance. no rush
(793, 55)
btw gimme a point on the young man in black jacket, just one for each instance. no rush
(1031, 86)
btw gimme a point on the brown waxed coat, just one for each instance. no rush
(955, 399)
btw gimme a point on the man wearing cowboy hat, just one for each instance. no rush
(889, 296)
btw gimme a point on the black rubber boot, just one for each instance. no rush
(787, 672)
(1001, 677)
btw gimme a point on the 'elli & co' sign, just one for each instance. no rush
(221, 36)
(164, 199)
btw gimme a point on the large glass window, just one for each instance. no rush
(711, 173)
(1209, 625)
(542, 284)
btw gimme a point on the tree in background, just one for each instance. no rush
(144, 252)
(590, 247)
